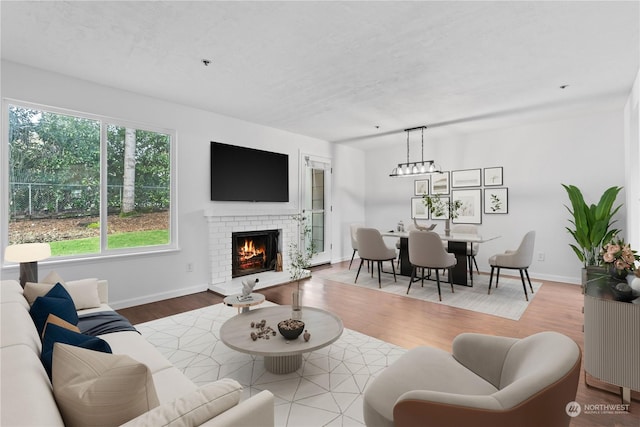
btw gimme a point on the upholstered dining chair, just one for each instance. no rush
(354, 241)
(472, 248)
(426, 251)
(519, 259)
(486, 381)
(371, 247)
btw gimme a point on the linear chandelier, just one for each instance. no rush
(421, 167)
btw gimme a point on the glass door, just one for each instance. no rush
(316, 204)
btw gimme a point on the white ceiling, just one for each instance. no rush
(338, 70)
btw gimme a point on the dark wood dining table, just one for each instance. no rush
(456, 244)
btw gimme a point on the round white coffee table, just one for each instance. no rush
(243, 303)
(281, 356)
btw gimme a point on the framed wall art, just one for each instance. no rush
(418, 209)
(471, 210)
(496, 200)
(440, 183)
(466, 178)
(421, 187)
(493, 177)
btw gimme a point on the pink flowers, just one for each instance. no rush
(619, 255)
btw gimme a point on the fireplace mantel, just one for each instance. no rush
(223, 212)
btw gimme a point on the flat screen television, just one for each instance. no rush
(244, 174)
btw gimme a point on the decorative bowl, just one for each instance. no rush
(622, 292)
(290, 328)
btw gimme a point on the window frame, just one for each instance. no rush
(104, 121)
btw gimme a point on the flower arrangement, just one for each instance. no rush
(619, 255)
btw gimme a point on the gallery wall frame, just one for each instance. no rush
(466, 178)
(496, 200)
(418, 209)
(493, 177)
(421, 187)
(440, 183)
(471, 210)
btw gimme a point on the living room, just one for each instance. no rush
(592, 142)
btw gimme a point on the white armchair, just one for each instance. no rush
(486, 381)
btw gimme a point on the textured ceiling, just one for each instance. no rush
(336, 70)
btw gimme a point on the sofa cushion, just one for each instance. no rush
(100, 389)
(12, 292)
(194, 408)
(57, 301)
(18, 328)
(84, 293)
(54, 333)
(27, 397)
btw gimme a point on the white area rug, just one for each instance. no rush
(506, 301)
(325, 391)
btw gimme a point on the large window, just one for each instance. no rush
(87, 184)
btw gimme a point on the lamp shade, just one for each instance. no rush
(27, 252)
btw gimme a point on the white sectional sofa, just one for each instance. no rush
(27, 396)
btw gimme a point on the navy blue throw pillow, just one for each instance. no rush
(55, 333)
(57, 301)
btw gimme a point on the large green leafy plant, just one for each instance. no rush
(593, 223)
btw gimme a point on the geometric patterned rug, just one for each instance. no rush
(325, 391)
(506, 301)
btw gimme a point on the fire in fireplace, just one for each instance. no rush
(254, 251)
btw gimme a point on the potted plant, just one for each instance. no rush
(593, 223)
(440, 208)
(300, 254)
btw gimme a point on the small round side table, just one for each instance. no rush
(243, 304)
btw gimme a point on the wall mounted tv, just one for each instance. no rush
(244, 174)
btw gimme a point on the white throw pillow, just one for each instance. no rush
(195, 408)
(52, 278)
(84, 293)
(100, 389)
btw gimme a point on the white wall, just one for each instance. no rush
(586, 151)
(632, 157)
(349, 196)
(138, 279)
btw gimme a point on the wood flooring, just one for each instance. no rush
(409, 322)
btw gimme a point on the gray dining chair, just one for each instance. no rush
(426, 251)
(371, 247)
(519, 259)
(354, 240)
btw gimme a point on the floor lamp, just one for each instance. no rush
(28, 255)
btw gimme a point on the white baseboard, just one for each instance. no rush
(116, 305)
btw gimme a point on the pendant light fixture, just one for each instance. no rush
(415, 168)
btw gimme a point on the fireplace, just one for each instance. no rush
(253, 251)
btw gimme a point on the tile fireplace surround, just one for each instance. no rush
(220, 226)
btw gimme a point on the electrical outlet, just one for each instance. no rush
(189, 267)
(540, 256)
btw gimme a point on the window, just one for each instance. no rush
(88, 185)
